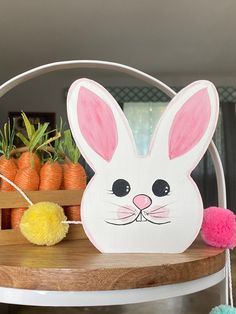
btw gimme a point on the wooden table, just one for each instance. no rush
(74, 273)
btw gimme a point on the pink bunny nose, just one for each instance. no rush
(142, 201)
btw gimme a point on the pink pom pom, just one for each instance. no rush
(219, 227)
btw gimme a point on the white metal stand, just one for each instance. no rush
(112, 297)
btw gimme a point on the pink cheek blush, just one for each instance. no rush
(126, 214)
(155, 214)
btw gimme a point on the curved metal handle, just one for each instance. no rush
(74, 64)
(105, 65)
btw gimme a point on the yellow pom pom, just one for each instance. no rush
(42, 223)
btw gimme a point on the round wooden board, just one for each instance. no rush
(76, 265)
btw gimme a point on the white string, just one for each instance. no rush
(229, 273)
(72, 222)
(17, 188)
(226, 278)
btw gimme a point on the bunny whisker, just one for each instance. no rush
(123, 217)
(169, 217)
(121, 212)
(159, 212)
(157, 209)
(122, 206)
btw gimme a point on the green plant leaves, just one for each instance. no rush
(71, 150)
(7, 138)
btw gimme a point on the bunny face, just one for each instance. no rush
(135, 203)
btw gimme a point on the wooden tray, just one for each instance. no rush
(76, 265)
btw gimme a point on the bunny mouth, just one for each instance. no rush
(127, 215)
(141, 218)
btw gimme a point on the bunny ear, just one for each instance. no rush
(186, 128)
(98, 125)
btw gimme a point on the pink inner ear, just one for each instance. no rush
(190, 124)
(97, 123)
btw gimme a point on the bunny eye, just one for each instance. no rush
(121, 187)
(160, 187)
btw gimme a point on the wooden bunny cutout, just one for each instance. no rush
(142, 203)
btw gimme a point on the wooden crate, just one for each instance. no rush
(61, 197)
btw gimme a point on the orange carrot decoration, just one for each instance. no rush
(27, 158)
(74, 174)
(50, 176)
(8, 166)
(26, 179)
(16, 215)
(74, 179)
(51, 171)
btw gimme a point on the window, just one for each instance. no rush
(143, 117)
